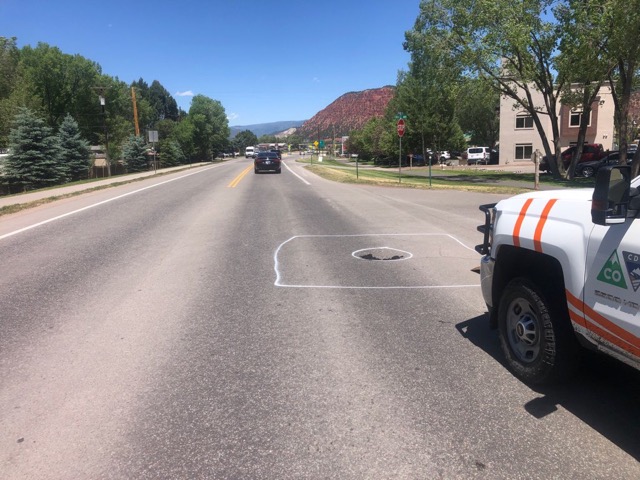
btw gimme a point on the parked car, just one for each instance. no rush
(444, 156)
(478, 155)
(267, 161)
(415, 160)
(590, 169)
(590, 152)
(494, 156)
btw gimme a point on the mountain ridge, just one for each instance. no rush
(348, 112)
(270, 128)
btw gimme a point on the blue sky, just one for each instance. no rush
(264, 60)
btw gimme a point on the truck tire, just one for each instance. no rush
(535, 334)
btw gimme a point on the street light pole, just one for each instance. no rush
(106, 133)
(400, 126)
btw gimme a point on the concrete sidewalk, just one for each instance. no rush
(61, 191)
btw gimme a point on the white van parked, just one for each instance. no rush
(476, 155)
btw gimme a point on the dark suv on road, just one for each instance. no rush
(267, 162)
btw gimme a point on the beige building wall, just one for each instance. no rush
(519, 136)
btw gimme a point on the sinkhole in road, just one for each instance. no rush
(381, 254)
(375, 261)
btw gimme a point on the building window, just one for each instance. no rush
(524, 121)
(574, 119)
(524, 151)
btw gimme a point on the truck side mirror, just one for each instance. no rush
(611, 196)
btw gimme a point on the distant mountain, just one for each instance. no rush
(272, 128)
(349, 112)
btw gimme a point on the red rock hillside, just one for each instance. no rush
(349, 112)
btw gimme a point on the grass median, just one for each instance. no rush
(458, 178)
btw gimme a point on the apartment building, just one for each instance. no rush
(519, 137)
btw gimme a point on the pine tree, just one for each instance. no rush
(75, 152)
(34, 161)
(134, 152)
(171, 154)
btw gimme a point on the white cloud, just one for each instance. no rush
(188, 93)
(232, 116)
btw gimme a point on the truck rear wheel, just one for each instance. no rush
(535, 334)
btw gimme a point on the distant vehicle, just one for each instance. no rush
(444, 156)
(478, 155)
(277, 152)
(267, 161)
(590, 153)
(416, 160)
(494, 157)
(249, 152)
(590, 169)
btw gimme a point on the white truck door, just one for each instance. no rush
(612, 287)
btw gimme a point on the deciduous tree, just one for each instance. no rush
(512, 43)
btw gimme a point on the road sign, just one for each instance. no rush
(400, 127)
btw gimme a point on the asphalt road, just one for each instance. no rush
(219, 324)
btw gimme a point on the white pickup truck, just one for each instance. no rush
(561, 271)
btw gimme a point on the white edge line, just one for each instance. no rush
(44, 222)
(301, 179)
(277, 270)
(417, 287)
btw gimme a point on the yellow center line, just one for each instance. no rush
(236, 180)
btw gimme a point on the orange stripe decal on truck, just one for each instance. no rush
(603, 327)
(518, 225)
(537, 237)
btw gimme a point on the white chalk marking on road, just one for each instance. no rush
(276, 263)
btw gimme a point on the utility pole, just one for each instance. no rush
(135, 111)
(103, 102)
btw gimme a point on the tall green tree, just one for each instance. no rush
(478, 105)
(34, 161)
(184, 135)
(244, 139)
(512, 43)
(75, 153)
(164, 105)
(427, 95)
(211, 126)
(63, 83)
(9, 82)
(583, 61)
(114, 124)
(620, 18)
(377, 140)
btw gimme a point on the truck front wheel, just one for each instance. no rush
(535, 334)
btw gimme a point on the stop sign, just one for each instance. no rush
(400, 127)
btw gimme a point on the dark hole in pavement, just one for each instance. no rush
(370, 256)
